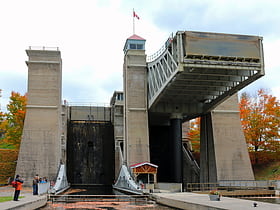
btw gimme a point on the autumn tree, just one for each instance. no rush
(260, 119)
(194, 134)
(15, 118)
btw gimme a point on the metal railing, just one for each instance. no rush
(95, 198)
(86, 103)
(158, 53)
(43, 48)
(154, 56)
(43, 188)
(190, 158)
(230, 185)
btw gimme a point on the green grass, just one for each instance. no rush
(7, 198)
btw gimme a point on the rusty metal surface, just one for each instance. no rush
(225, 45)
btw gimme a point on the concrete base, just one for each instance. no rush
(28, 201)
(192, 201)
(169, 187)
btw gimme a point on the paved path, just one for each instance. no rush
(201, 201)
(28, 202)
(179, 200)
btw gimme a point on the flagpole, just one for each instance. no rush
(133, 22)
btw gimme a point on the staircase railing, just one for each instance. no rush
(191, 159)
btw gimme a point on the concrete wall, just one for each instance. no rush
(117, 106)
(40, 149)
(92, 113)
(135, 108)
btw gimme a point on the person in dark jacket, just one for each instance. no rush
(18, 187)
(35, 184)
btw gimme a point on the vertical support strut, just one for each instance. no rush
(208, 171)
(176, 148)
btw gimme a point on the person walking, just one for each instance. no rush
(18, 187)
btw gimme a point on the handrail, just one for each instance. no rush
(154, 56)
(193, 161)
(158, 53)
(43, 48)
(43, 188)
(232, 185)
(91, 104)
(101, 198)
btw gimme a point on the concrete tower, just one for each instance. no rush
(136, 131)
(40, 149)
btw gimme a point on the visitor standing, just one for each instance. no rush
(35, 184)
(18, 187)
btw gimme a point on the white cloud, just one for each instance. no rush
(91, 36)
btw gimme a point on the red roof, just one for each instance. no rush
(135, 37)
(141, 164)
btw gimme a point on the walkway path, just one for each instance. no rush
(195, 201)
(29, 201)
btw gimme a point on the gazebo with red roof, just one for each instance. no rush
(143, 170)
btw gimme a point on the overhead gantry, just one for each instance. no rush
(195, 71)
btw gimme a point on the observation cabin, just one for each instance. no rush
(134, 42)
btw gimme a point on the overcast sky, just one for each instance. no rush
(91, 34)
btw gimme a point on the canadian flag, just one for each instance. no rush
(135, 15)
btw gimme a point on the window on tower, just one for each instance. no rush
(132, 46)
(139, 47)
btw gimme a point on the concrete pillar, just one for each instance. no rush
(207, 151)
(176, 147)
(232, 157)
(136, 145)
(40, 149)
(223, 150)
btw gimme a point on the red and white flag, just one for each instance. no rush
(135, 15)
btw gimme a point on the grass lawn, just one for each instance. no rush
(8, 198)
(267, 171)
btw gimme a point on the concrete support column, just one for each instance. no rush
(43, 132)
(223, 149)
(176, 147)
(208, 171)
(232, 158)
(136, 130)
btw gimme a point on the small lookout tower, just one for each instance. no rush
(134, 42)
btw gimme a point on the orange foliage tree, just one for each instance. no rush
(194, 134)
(260, 118)
(15, 118)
